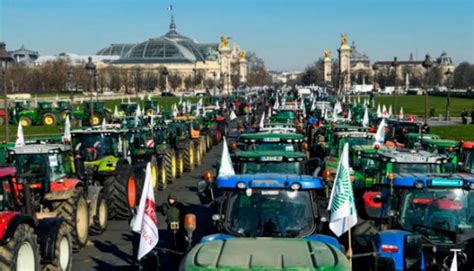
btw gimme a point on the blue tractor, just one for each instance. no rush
(423, 215)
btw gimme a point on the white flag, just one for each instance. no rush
(20, 138)
(128, 99)
(380, 135)
(349, 115)
(145, 220)
(262, 121)
(379, 112)
(226, 168)
(365, 120)
(384, 111)
(401, 116)
(67, 130)
(390, 111)
(138, 112)
(116, 114)
(341, 204)
(232, 115)
(104, 124)
(454, 263)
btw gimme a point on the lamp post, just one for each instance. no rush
(375, 68)
(448, 74)
(91, 70)
(427, 63)
(395, 64)
(5, 59)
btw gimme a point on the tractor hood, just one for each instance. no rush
(269, 180)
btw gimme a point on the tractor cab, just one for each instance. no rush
(354, 138)
(285, 162)
(272, 142)
(22, 105)
(95, 144)
(398, 129)
(270, 205)
(141, 144)
(438, 207)
(414, 139)
(64, 105)
(150, 107)
(128, 109)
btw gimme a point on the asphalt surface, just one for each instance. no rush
(113, 249)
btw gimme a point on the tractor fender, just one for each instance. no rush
(10, 221)
(396, 240)
(108, 165)
(47, 233)
(325, 239)
(63, 190)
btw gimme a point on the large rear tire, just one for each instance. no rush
(62, 251)
(21, 252)
(179, 164)
(75, 212)
(198, 156)
(25, 121)
(189, 157)
(121, 192)
(49, 119)
(170, 166)
(162, 180)
(101, 217)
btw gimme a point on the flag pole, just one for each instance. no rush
(349, 250)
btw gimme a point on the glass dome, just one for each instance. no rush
(119, 49)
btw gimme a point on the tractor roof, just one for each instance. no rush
(468, 145)
(110, 129)
(434, 180)
(410, 156)
(269, 180)
(355, 134)
(40, 148)
(267, 153)
(424, 136)
(272, 137)
(265, 254)
(441, 142)
(7, 171)
(368, 148)
(278, 130)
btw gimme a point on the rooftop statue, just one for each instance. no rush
(224, 42)
(242, 55)
(343, 39)
(327, 53)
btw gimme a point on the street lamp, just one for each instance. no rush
(395, 64)
(448, 74)
(375, 68)
(5, 59)
(92, 71)
(427, 63)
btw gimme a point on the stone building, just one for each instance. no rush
(24, 56)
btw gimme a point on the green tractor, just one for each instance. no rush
(23, 113)
(128, 109)
(49, 115)
(102, 157)
(85, 116)
(64, 108)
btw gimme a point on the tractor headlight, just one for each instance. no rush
(295, 186)
(241, 185)
(419, 185)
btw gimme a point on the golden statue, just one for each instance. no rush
(343, 39)
(224, 42)
(327, 53)
(242, 55)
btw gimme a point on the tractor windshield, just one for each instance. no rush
(273, 147)
(34, 168)
(7, 202)
(98, 144)
(468, 161)
(271, 167)
(354, 141)
(421, 168)
(438, 212)
(270, 213)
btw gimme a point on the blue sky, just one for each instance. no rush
(287, 34)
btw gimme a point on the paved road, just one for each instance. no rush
(113, 249)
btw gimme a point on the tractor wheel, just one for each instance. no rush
(202, 143)
(101, 217)
(64, 114)
(48, 119)
(209, 141)
(21, 252)
(154, 172)
(189, 157)
(25, 121)
(75, 212)
(170, 166)
(95, 120)
(198, 148)
(179, 164)
(62, 251)
(162, 182)
(121, 192)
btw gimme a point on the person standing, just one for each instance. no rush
(464, 116)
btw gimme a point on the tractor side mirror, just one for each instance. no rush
(202, 186)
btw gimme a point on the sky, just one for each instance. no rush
(288, 34)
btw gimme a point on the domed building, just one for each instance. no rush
(181, 55)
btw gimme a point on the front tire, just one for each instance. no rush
(101, 217)
(62, 251)
(121, 192)
(21, 252)
(48, 119)
(189, 157)
(75, 212)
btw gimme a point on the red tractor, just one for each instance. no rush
(45, 167)
(29, 239)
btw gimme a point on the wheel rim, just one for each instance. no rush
(64, 253)
(48, 120)
(132, 196)
(81, 221)
(154, 175)
(163, 176)
(173, 166)
(103, 214)
(95, 120)
(24, 122)
(26, 257)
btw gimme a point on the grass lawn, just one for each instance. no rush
(415, 105)
(456, 132)
(32, 131)
(165, 102)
